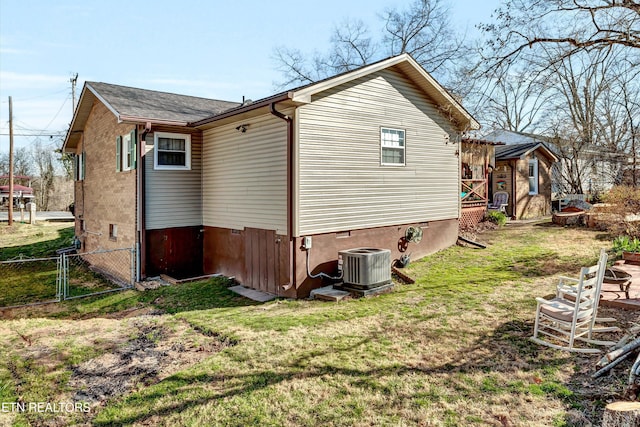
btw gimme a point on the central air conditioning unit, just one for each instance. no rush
(366, 268)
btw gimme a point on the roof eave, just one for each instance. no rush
(548, 152)
(70, 140)
(281, 97)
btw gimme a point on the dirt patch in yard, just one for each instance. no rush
(154, 354)
(99, 359)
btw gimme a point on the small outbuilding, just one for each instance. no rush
(524, 172)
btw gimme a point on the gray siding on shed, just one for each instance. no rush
(342, 185)
(245, 175)
(173, 197)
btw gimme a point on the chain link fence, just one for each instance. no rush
(30, 280)
(98, 272)
(66, 276)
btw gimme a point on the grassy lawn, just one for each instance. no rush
(450, 350)
(31, 277)
(30, 281)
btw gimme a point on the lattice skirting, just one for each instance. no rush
(471, 216)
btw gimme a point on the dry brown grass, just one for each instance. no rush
(451, 350)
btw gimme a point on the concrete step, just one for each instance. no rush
(328, 293)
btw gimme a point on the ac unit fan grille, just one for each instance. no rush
(366, 267)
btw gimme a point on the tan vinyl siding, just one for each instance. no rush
(173, 197)
(245, 175)
(342, 185)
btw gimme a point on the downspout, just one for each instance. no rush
(290, 187)
(514, 179)
(142, 249)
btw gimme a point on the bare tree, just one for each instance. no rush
(589, 122)
(22, 162)
(44, 162)
(571, 25)
(351, 47)
(630, 101)
(515, 99)
(583, 55)
(422, 30)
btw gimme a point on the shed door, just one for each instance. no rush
(266, 260)
(176, 252)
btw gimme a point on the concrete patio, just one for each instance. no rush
(612, 296)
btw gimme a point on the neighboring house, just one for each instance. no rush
(478, 158)
(22, 193)
(524, 172)
(204, 186)
(595, 169)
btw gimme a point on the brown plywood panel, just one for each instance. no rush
(176, 252)
(255, 259)
(282, 252)
(156, 259)
(270, 260)
(225, 252)
(262, 259)
(248, 258)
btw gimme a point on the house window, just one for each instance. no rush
(126, 152)
(392, 148)
(172, 151)
(78, 166)
(113, 232)
(533, 176)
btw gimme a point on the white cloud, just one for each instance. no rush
(43, 116)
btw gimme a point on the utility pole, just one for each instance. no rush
(10, 213)
(73, 81)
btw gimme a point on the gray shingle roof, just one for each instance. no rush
(151, 104)
(515, 151)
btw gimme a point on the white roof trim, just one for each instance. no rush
(104, 101)
(544, 147)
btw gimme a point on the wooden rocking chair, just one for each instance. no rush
(572, 314)
(566, 289)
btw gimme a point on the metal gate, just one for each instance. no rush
(97, 272)
(32, 281)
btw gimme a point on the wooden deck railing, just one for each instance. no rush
(474, 192)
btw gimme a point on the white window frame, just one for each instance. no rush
(403, 147)
(125, 151)
(186, 137)
(79, 165)
(533, 162)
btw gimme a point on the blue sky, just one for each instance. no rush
(209, 48)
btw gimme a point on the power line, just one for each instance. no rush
(54, 117)
(38, 96)
(52, 135)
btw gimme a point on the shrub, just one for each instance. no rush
(626, 244)
(623, 202)
(497, 218)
